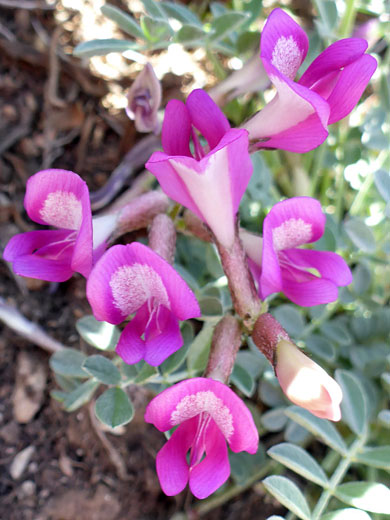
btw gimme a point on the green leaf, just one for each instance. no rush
(346, 514)
(270, 392)
(337, 332)
(354, 403)
(378, 457)
(223, 25)
(382, 183)
(68, 363)
(384, 418)
(210, 306)
(146, 373)
(243, 380)
(103, 47)
(58, 395)
(361, 278)
(81, 395)
(360, 234)
(102, 369)
(244, 465)
(154, 9)
(124, 20)
(114, 408)
(274, 420)
(252, 362)
(298, 460)
(200, 347)
(369, 496)
(247, 41)
(288, 494)
(321, 347)
(296, 434)
(155, 30)
(290, 318)
(190, 34)
(318, 427)
(328, 14)
(181, 13)
(67, 383)
(99, 334)
(129, 372)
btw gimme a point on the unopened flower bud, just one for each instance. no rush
(306, 384)
(144, 98)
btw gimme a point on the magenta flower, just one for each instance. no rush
(211, 181)
(297, 117)
(209, 414)
(134, 279)
(285, 268)
(56, 198)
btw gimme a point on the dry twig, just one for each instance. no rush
(27, 329)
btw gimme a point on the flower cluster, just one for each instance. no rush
(206, 166)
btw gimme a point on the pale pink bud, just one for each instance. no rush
(144, 99)
(306, 384)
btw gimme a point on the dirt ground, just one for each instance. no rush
(54, 465)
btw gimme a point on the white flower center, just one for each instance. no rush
(62, 209)
(286, 56)
(291, 233)
(207, 402)
(133, 285)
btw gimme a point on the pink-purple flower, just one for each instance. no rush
(283, 267)
(58, 198)
(211, 179)
(134, 279)
(296, 119)
(208, 414)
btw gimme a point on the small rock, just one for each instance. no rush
(28, 488)
(27, 397)
(20, 462)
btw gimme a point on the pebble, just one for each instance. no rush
(20, 462)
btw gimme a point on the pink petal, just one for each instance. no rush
(131, 347)
(34, 266)
(41, 254)
(127, 276)
(207, 117)
(172, 184)
(306, 384)
(162, 337)
(295, 221)
(53, 197)
(307, 294)
(207, 476)
(333, 58)
(27, 243)
(171, 461)
(330, 265)
(220, 178)
(176, 129)
(283, 43)
(294, 120)
(350, 86)
(270, 280)
(243, 436)
(301, 138)
(83, 249)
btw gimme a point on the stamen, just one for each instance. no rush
(62, 209)
(195, 404)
